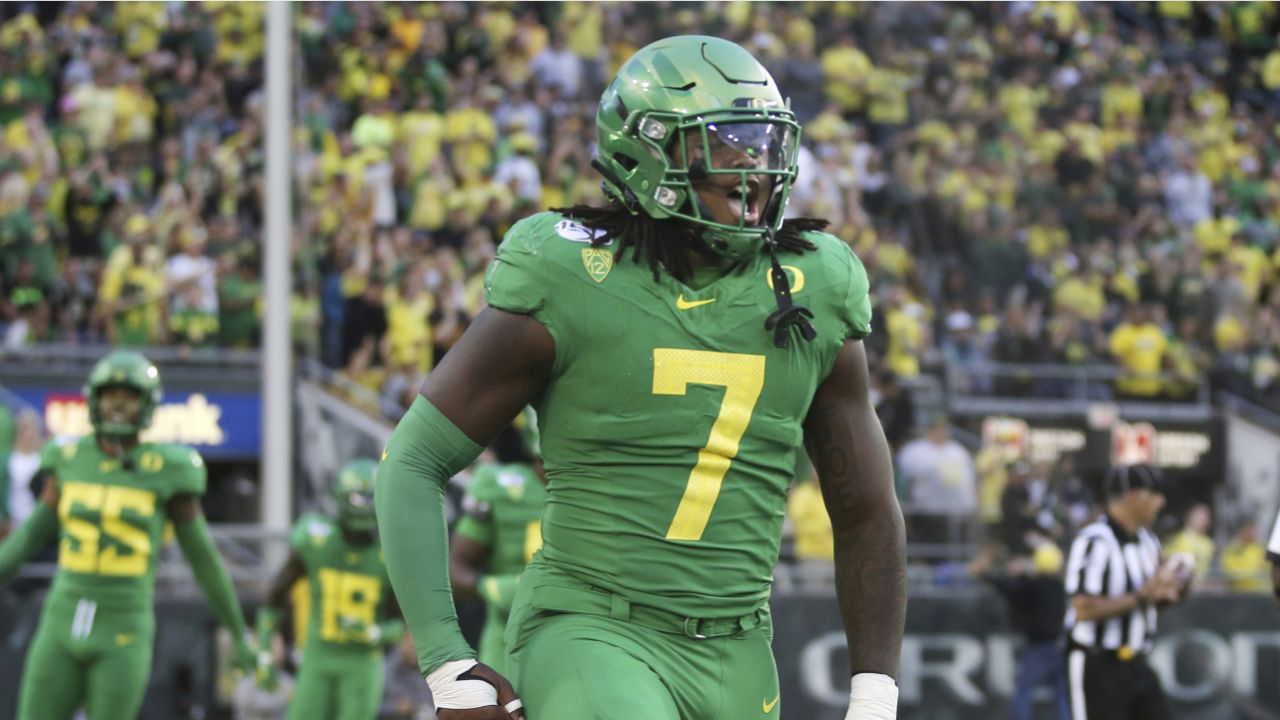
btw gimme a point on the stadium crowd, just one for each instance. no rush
(1067, 183)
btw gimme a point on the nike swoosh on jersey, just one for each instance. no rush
(768, 706)
(683, 304)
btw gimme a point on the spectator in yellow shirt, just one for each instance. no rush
(132, 292)
(1139, 345)
(845, 69)
(904, 323)
(1194, 538)
(409, 307)
(810, 522)
(1084, 292)
(1244, 560)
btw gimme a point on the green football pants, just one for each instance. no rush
(345, 686)
(585, 664)
(83, 655)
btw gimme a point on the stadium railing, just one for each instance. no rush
(1037, 389)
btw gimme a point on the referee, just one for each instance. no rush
(1115, 584)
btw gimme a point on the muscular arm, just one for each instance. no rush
(1096, 607)
(500, 364)
(1159, 590)
(292, 572)
(38, 531)
(206, 564)
(847, 446)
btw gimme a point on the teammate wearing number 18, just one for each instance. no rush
(354, 616)
(106, 498)
(678, 345)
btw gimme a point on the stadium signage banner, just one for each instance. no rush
(1192, 450)
(1217, 657)
(219, 425)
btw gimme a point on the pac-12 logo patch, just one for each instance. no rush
(597, 262)
(577, 232)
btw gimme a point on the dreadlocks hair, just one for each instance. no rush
(661, 243)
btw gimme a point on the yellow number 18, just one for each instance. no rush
(742, 377)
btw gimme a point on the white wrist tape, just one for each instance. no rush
(374, 634)
(872, 696)
(451, 693)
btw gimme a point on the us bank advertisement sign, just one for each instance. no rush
(222, 426)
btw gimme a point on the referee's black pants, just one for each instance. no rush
(1104, 687)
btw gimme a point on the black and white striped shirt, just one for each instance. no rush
(1107, 561)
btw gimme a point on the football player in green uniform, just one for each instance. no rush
(500, 530)
(679, 345)
(106, 498)
(353, 613)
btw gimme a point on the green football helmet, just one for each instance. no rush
(676, 94)
(123, 368)
(353, 494)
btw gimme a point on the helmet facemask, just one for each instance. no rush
(356, 513)
(729, 173)
(353, 495)
(123, 369)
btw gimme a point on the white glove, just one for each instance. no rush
(872, 696)
(451, 692)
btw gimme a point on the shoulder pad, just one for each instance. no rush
(311, 530)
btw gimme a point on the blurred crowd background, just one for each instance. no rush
(1056, 183)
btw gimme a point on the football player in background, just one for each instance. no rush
(500, 530)
(674, 376)
(353, 613)
(106, 497)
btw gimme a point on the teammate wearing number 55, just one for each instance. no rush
(106, 498)
(678, 345)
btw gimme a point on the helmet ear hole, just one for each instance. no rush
(626, 161)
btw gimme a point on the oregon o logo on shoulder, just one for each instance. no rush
(597, 262)
(797, 277)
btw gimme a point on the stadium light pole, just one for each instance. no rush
(277, 411)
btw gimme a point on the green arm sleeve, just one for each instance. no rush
(425, 450)
(268, 621)
(39, 530)
(211, 574)
(499, 590)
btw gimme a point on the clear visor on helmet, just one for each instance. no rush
(741, 146)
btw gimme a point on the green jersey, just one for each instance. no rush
(503, 509)
(670, 421)
(348, 583)
(111, 513)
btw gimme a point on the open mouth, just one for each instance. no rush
(744, 208)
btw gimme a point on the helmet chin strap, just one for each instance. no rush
(788, 314)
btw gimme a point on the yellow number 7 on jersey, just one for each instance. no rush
(743, 378)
